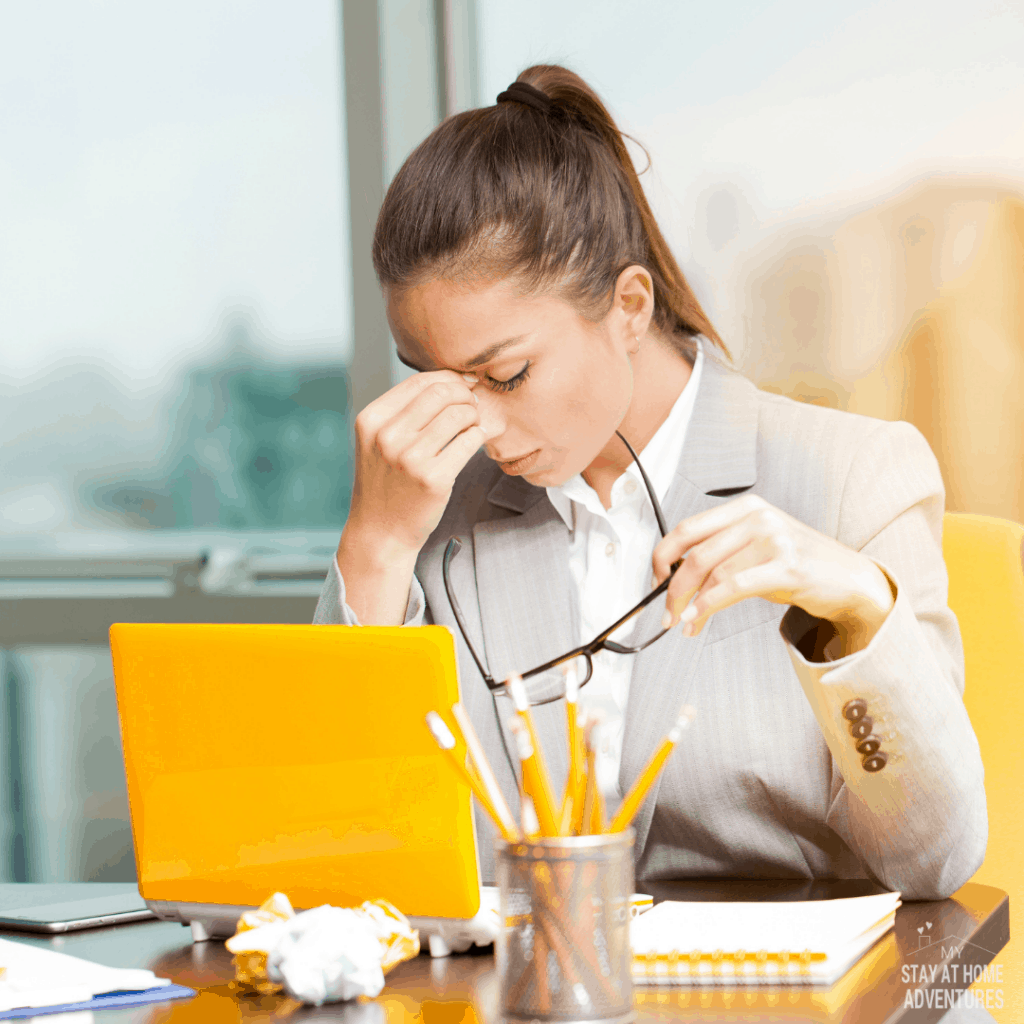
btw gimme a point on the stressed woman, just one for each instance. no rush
(576, 427)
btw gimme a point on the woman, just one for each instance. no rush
(527, 281)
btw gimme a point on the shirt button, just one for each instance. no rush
(610, 549)
(630, 486)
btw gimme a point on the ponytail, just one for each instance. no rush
(543, 190)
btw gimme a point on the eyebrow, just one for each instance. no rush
(482, 357)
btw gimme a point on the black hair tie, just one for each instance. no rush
(520, 92)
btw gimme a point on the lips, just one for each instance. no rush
(520, 464)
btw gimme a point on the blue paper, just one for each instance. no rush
(106, 1001)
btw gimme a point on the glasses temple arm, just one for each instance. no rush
(650, 487)
(453, 548)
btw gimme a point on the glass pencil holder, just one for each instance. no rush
(563, 950)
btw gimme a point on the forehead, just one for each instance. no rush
(445, 324)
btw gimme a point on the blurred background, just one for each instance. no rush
(188, 316)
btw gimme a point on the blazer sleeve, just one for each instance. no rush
(918, 824)
(331, 609)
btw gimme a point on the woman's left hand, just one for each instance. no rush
(749, 548)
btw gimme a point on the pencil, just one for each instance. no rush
(574, 783)
(483, 770)
(531, 827)
(446, 741)
(593, 813)
(639, 790)
(579, 809)
(536, 780)
(533, 783)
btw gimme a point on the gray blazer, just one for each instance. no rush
(767, 782)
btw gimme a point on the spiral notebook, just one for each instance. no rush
(804, 943)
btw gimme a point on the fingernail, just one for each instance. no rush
(688, 629)
(689, 614)
(476, 397)
(470, 378)
(666, 620)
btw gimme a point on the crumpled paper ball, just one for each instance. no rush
(321, 955)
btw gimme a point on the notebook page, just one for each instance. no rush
(822, 926)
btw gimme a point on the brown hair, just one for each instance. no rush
(550, 196)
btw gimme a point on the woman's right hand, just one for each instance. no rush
(411, 444)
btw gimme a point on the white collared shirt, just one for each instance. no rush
(610, 562)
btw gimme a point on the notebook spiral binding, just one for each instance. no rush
(705, 964)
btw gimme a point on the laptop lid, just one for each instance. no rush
(294, 758)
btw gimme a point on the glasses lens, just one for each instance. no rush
(551, 685)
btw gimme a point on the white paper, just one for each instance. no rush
(321, 955)
(42, 977)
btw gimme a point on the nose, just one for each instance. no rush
(492, 420)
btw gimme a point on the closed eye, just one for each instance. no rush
(512, 383)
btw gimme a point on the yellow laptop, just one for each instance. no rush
(296, 759)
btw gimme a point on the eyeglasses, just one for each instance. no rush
(546, 683)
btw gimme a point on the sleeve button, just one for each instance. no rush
(860, 730)
(855, 710)
(869, 745)
(875, 762)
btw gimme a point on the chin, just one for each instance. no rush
(547, 476)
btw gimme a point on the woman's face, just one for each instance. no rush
(552, 385)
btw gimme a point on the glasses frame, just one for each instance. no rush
(585, 651)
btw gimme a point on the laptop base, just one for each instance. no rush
(442, 936)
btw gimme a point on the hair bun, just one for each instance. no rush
(523, 92)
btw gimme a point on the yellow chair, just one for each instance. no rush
(986, 591)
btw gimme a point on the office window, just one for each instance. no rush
(175, 268)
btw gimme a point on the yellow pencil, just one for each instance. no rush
(566, 817)
(483, 769)
(639, 790)
(593, 805)
(580, 808)
(533, 782)
(536, 780)
(574, 783)
(446, 741)
(531, 827)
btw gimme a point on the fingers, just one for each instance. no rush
(701, 560)
(448, 424)
(448, 387)
(733, 581)
(678, 541)
(459, 451)
(443, 448)
(430, 420)
(743, 549)
(441, 395)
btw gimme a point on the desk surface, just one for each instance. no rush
(967, 929)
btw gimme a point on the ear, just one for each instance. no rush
(632, 305)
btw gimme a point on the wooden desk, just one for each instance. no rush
(967, 930)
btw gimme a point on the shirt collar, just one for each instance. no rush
(660, 457)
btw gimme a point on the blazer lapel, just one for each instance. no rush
(528, 607)
(718, 462)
